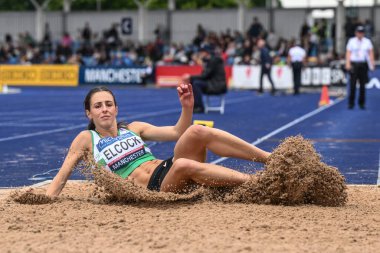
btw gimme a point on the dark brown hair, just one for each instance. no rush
(87, 105)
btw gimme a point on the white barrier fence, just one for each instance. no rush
(248, 77)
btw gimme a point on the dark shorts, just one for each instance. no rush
(159, 174)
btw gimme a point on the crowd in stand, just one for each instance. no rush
(110, 50)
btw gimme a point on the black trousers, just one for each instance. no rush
(267, 72)
(358, 72)
(199, 87)
(297, 68)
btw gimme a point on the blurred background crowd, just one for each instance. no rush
(110, 49)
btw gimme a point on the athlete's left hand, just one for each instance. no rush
(186, 96)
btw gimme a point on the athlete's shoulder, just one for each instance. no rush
(137, 126)
(84, 134)
(82, 142)
(84, 137)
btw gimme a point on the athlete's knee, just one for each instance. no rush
(198, 132)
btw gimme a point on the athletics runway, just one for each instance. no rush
(38, 125)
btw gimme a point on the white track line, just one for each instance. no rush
(159, 113)
(139, 116)
(378, 174)
(40, 184)
(290, 124)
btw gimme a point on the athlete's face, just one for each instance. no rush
(103, 110)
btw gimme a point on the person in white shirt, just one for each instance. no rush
(296, 58)
(359, 58)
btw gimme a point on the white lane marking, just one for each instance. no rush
(139, 116)
(290, 124)
(41, 183)
(34, 185)
(22, 136)
(378, 174)
(42, 176)
(34, 178)
(84, 125)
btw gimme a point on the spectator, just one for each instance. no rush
(112, 37)
(246, 60)
(305, 31)
(368, 29)
(272, 41)
(47, 33)
(255, 29)
(239, 39)
(9, 39)
(66, 40)
(200, 36)
(86, 33)
(212, 79)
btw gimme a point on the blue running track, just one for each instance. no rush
(38, 125)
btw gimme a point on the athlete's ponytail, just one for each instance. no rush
(91, 125)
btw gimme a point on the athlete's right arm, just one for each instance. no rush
(78, 148)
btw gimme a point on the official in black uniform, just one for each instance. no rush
(266, 65)
(359, 58)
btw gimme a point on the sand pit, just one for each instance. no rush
(79, 222)
(297, 204)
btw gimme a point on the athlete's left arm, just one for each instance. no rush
(169, 133)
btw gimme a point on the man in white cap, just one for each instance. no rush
(296, 58)
(359, 58)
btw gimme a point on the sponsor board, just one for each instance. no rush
(113, 75)
(39, 75)
(248, 77)
(171, 76)
(317, 76)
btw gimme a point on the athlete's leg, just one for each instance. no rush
(186, 172)
(196, 139)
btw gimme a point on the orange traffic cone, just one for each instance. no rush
(325, 99)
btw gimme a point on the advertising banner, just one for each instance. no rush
(113, 75)
(171, 76)
(248, 77)
(39, 75)
(323, 75)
